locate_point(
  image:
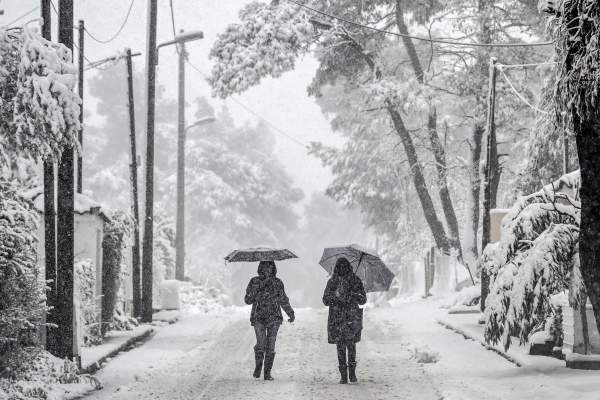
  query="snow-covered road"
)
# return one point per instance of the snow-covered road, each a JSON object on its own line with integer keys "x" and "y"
{"x": 221, "y": 365}
{"x": 210, "y": 356}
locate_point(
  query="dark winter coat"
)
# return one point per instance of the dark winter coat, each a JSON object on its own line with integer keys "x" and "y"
{"x": 267, "y": 295}
{"x": 343, "y": 294}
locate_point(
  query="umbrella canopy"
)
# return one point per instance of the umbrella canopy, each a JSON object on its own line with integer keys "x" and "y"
{"x": 259, "y": 254}
{"x": 366, "y": 264}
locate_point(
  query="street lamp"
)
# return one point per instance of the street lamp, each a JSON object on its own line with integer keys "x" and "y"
{"x": 180, "y": 223}
{"x": 180, "y": 41}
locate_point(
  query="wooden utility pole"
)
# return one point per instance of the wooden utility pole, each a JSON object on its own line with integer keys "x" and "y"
{"x": 49, "y": 217}
{"x": 80, "y": 88}
{"x": 149, "y": 201}
{"x": 180, "y": 219}
{"x": 489, "y": 171}
{"x": 137, "y": 298}
{"x": 65, "y": 222}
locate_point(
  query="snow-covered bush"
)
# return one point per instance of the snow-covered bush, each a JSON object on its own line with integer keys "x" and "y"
{"x": 114, "y": 270}
{"x": 88, "y": 303}
{"x": 21, "y": 291}
{"x": 39, "y": 108}
{"x": 46, "y": 379}
{"x": 163, "y": 254}
{"x": 536, "y": 258}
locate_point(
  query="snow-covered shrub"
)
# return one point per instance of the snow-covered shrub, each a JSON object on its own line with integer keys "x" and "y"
{"x": 21, "y": 290}
{"x": 39, "y": 107}
{"x": 44, "y": 379}
{"x": 88, "y": 303}
{"x": 163, "y": 254}
{"x": 114, "y": 270}
{"x": 536, "y": 258}
{"x": 468, "y": 296}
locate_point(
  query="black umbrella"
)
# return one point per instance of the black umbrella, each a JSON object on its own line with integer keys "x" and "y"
{"x": 366, "y": 264}
{"x": 259, "y": 254}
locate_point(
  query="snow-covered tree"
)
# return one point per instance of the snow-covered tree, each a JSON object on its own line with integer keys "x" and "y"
{"x": 574, "y": 27}
{"x": 537, "y": 257}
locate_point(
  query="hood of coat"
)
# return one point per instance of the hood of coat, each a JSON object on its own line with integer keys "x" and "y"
{"x": 342, "y": 267}
{"x": 267, "y": 269}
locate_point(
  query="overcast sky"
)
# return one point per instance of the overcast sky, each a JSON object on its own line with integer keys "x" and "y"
{"x": 283, "y": 102}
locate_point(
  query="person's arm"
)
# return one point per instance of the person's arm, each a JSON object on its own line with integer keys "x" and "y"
{"x": 284, "y": 302}
{"x": 252, "y": 291}
{"x": 329, "y": 298}
{"x": 360, "y": 295}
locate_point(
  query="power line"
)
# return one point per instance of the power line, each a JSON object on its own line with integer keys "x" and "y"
{"x": 499, "y": 67}
{"x": 23, "y": 16}
{"x": 118, "y": 32}
{"x": 444, "y": 41}
{"x": 172, "y": 17}
{"x": 252, "y": 112}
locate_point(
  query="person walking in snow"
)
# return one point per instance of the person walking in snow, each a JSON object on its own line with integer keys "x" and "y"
{"x": 267, "y": 295}
{"x": 343, "y": 294}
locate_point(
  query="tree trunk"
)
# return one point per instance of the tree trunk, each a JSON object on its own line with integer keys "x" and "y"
{"x": 436, "y": 146}
{"x": 587, "y": 133}
{"x": 475, "y": 141}
{"x": 436, "y": 226}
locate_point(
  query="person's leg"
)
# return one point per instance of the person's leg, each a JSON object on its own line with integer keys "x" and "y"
{"x": 341, "y": 353}
{"x": 270, "y": 349}
{"x": 352, "y": 362}
{"x": 260, "y": 347}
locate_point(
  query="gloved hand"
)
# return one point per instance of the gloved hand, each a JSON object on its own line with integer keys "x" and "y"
{"x": 292, "y": 319}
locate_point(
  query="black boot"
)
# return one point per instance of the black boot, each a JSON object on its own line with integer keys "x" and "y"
{"x": 269, "y": 358}
{"x": 352, "y": 371}
{"x": 258, "y": 358}
{"x": 343, "y": 373}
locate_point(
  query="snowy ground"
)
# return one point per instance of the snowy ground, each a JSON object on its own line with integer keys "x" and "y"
{"x": 210, "y": 356}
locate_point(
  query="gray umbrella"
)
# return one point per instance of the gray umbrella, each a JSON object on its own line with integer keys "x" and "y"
{"x": 259, "y": 254}
{"x": 366, "y": 264}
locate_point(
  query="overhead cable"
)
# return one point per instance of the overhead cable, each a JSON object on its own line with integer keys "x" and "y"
{"x": 499, "y": 67}
{"x": 23, "y": 16}
{"x": 444, "y": 41}
{"x": 252, "y": 112}
{"x": 118, "y": 32}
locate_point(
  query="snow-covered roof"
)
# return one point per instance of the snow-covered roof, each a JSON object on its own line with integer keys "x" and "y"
{"x": 83, "y": 204}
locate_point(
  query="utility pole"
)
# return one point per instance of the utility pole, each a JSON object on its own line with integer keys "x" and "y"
{"x": 149, "y": 201}
{"x": 80, "y": 88}
{"x": 180, "y": 41}
{"x": 488, "y": 202}
{"x": 137, "y": 298}
{"x": 180, "y": 223}
{"x": 49, "y": 217}
{"x": 65, "y": 221}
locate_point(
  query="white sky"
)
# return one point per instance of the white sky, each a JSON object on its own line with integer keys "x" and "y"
{"x": 283, "y": 102}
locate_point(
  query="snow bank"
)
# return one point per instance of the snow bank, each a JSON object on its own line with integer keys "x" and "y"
{"x": 201, "y": 299}
{"x": 424, "y": 354}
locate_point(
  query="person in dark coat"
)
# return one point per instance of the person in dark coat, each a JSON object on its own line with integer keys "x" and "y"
{"x": 267, "y": 295}
{"x": 343, "y": 294}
